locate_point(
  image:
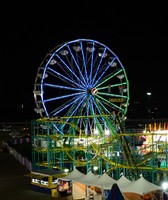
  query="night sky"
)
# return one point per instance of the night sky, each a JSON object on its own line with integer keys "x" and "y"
{"x": 138, "y": 35}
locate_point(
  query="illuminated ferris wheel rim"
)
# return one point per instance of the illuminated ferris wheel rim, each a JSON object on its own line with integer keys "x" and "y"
{"x": 78, "y": 79}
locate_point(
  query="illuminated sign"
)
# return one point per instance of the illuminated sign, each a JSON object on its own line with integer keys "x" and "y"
{"x": 121, "y": 100}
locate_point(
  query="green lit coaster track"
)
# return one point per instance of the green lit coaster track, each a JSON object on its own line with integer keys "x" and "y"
{"x": 81, "y": 93}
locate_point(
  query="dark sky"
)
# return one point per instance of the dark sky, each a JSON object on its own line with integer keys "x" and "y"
{"x": 137, "y": 35}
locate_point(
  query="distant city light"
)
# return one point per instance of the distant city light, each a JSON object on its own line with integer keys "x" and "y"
{"x": 149, "y": 93}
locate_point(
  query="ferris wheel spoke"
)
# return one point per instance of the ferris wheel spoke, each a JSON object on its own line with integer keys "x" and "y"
{"x": 63, "y": 77}
{"x": 66, "y": 78}
{"x": 111, "y": 86}
{"x": 70, "y": 70}
{"x": 63, "y": 87}
{"x": 91, "y": 50}
{"x": 106, "y": 79}
{"x": 112, "y": 95}
{"x": 103, "y": 109}
{"x": 98, "y": 68}
{"x": 105, "y": 65}
{"x": 108, "y": 120}
{"x": 112, "y": 105}
{"x": 61, "y": 97}
{"x": 97, "y": 123}
{"x": 84, "y": 63}
{"x": 77, "y": 65}
{"x": 63, "y": 108}
{"x": 76, "y": 104}
{"x": 76, "y": 107}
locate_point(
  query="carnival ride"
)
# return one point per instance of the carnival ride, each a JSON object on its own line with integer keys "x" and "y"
{"x": 81, "y": 93}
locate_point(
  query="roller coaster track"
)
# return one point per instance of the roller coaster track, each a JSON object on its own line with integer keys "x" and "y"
{"x": 121, "y": 138}
{"x": 131, "y": 165}
{"x": 127, "y": 151}
{"x": 98, "y": 153}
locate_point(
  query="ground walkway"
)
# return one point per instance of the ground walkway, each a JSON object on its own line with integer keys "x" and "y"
{"x": 14, "y": 184}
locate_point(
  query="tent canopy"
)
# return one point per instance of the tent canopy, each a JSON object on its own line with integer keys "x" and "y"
{"x": 88, "y": 179}
{"x": 140, "y": 186}
{"x": 105, "y": 181}
{"x": 75, "y": 174}
{"x": 123, "y": 181}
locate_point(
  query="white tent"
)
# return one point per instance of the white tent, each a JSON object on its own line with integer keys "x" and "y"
{"x": 78, "y": 189}
{"x": 140, "y": 186}
{"x": 105, "y": 181}
{"x": 80, "y": 185}
{"x": 75, "y": 174}
{"x": 123, "y": 181}
{"x": 87, "y": 179}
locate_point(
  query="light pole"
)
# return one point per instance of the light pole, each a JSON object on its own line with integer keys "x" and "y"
{"x": 149, "y": 105}
{"x": 165, "y": 187}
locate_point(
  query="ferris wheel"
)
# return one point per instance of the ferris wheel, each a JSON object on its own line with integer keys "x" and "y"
{"x": 83, "y": 82}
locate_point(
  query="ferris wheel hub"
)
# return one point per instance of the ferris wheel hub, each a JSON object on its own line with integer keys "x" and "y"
{"x": 94, "y": 91}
